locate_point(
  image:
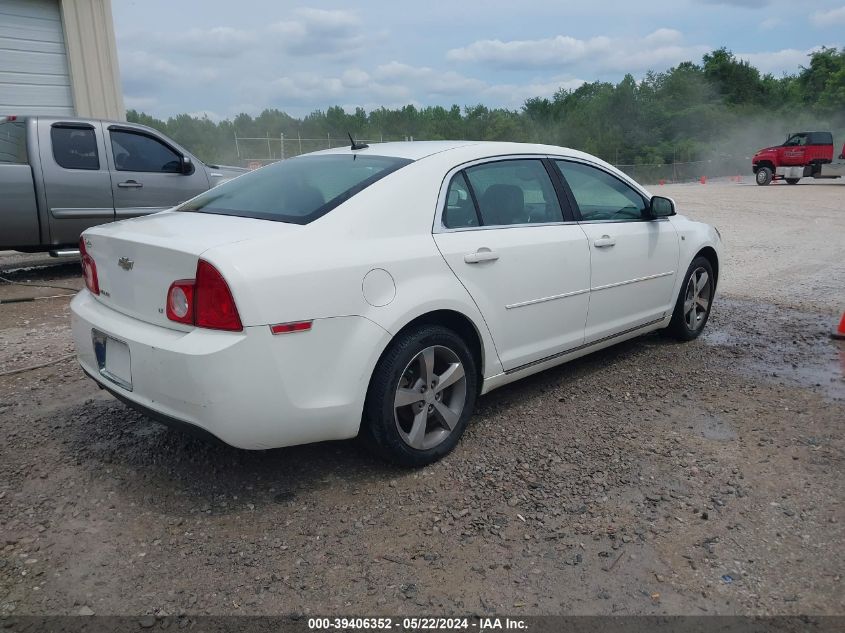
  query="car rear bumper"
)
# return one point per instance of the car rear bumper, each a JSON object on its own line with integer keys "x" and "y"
{"x": 250, "y": 389}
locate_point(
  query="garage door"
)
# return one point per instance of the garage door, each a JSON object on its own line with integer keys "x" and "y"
{"x": 34, "y": 76}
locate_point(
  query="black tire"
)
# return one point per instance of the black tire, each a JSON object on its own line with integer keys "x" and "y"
{"x": 388, "y": 429}
{"x": 682, "y": 326}
{"x": 763, "y": 176}
{"x": 792, "y": 181}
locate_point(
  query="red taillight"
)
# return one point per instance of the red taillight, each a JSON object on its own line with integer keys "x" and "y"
{"x": 89, "y": 269}
{"x": 287, "y": 328}
{"x": 180, "y": 301}
{"x": 214, "y": 305}
{"x": 205, "y": 301}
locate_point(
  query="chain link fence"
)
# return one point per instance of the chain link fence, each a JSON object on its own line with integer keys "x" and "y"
{"x": 727, "y": 167}
{"x": 253, "y": 152}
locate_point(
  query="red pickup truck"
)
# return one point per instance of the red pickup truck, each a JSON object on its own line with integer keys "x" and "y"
{"x": 805, "y": 154}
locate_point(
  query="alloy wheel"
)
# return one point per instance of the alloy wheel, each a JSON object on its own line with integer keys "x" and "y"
{"x": 430, "y": 397}
{"x": 697, "y": 299}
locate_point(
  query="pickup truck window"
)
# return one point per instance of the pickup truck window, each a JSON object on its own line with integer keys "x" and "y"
{"x": 138, "y": 152}
{"x": 13, "y": 142}
{"x": 75, "y": 147}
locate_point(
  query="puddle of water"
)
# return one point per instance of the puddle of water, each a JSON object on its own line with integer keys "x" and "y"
{"x": 791, "y": 347}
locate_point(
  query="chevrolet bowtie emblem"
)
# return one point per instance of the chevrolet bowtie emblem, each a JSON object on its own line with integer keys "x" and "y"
{"x": 125, "y": 263}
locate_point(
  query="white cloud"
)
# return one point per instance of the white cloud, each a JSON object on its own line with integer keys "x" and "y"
{"x": 658, "y": 50}
{"x": 428, "y": 80}
{"x": 770, "y": 23}
{"x": 140, "y": 103}
{"x": 514, "y": 95}
{"x": 321, "y": 32}
{"x": 745, "y": 4}
{"x": 787, "y": 60}
{"x": 556, "y": 51}
{"x": 833, "y": 17}
{"x": 143, "y": 64}
{"x": 395, "y": 84}
{"x": 219, "y": 41}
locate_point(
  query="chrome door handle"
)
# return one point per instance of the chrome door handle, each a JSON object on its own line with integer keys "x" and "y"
{"x": 481, "y": 255}
{"x": 130, "y": 184}
{"x": 604, "y": 241}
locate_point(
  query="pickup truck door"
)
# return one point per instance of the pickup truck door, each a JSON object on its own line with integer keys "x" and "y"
{"x": 147, "y": 173}
{"x": 794, "y": 151}
{"x": 77, "y": 185}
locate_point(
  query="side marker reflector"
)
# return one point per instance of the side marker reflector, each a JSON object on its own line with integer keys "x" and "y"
{"x": 287, "y": 328}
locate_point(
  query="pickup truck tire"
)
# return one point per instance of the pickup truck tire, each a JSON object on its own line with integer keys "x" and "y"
{"x": 792, "y": 181}
{"x": 764, "y": 176}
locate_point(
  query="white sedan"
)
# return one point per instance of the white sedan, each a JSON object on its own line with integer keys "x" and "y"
{"x": 380, "y": 290}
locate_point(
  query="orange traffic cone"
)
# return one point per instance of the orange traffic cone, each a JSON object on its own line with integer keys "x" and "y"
{"x": 840, "y": 331}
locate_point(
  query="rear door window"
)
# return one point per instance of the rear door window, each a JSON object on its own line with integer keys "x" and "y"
{"x": 297, "y": 190}
{"x": 514, "y": 192}
{"x": 75, "y": 147}
{"x": 13, "y": 142}
{"x": 459, "y": 212}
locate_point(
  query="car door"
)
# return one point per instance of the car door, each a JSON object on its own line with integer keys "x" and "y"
{"x": 77, "y": 185}
{"x": 633, "y": 259}
{"x": 503, "y": 232}
{"x": 147, "y": 174}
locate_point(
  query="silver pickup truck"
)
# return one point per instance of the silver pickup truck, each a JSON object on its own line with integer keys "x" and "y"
{"x": 59, "y": 176}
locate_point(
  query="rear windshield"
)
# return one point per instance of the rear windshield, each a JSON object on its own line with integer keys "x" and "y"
{"x": 819, "y": 138}
{"x": 13, "y": 142}
{"x": 297, "y": 190}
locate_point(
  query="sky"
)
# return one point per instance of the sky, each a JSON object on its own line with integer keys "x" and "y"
{"x": 223, "y": 57}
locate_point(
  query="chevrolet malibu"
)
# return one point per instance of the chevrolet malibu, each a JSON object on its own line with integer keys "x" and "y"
{"x": 380, "y": 290}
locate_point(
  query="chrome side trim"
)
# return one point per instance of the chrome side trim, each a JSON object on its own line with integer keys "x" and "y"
{"x": 532, "y": 302}
{"x": 633, "y": 281}
{"x": 580, "y": 347}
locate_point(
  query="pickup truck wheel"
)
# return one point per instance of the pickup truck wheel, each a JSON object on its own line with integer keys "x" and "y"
{"x": 764, "y": 176}
{"x": 792, "y": 181}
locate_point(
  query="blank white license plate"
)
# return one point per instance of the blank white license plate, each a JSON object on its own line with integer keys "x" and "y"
{"x": 113, "y": 358}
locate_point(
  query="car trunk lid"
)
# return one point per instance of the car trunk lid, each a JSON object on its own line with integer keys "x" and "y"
{"x": 137, "y": 260}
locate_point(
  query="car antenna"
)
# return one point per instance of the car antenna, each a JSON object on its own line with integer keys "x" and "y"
{"x": 356, "y": 145}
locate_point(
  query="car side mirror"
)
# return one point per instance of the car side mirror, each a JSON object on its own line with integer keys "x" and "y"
{"x": 187, "y": 166}
{"x": 661, "y": 207}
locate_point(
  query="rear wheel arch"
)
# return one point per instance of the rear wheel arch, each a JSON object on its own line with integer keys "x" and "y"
{"x": 459, "y": 323}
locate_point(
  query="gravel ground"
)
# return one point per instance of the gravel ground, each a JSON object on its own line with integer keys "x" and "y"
{"x": 650, "y": 478}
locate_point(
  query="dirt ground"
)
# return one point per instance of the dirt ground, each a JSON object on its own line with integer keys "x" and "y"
{"x": 650, "y": 478}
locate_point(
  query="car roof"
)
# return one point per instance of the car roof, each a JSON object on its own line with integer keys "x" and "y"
{"x": 416, "y": 150}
